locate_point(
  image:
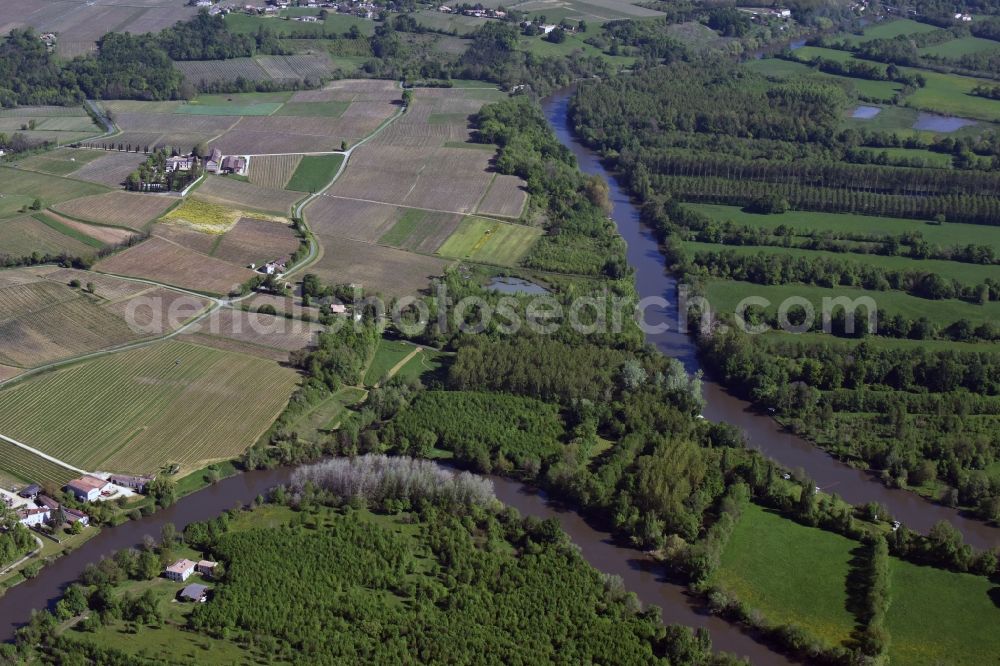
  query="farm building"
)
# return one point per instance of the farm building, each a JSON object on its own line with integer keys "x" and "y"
{"x": 89, "y": 488}
{"x": 30, "y": 492}
{"x": 194, "y": 592}
{"x": 180, "y": 163}
{"x": 47, "y": 502}
{"x": 180, "y": 570}
{"x": 136, "y": 483}
{"x": 206, "y": 567}
{"x": 33, "y": 517}
{"x": 214, "y": 161}
{"x": 234, "y": 164}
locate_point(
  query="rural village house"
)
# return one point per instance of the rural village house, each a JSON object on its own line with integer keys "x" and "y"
{"x": 33, "y": 517}
{"x": 136, "y": 483}
{"x": 180, "y": 570}
{"x": 206, "y": 567}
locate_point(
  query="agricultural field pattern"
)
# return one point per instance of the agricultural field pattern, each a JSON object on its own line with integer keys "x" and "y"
{"x": 391, "y": 196}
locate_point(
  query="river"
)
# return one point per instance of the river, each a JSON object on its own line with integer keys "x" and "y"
{"x": 764, "y": 433}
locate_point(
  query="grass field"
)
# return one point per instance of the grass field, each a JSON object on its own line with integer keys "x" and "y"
{"x": 425, "y": 361}
{"x": 724, "y": 296}
{"x": 930, "y": 158}
{"x": 938, "y": 617}
{"x": 332, "y": 109}
{"x": 890, "y": 30}
{"x": 490, "y": 241}
{"x": 24, "y": 235}
{"x": 187, "y": 404}
{"x": 945, "y": 235}
{"x": 949, "y": 94}
{"x": 50, "y": 189}
{"x": 314, "y": 172}
{"x": 387, "y": 356}
{"x": 335, "y": 23}
{"x": 786, "y": 69}
{"x": 791, "y": 573}
{"x": 966, "y": 273}
{"x": 956, "y": 48}
{"x": 573, "y": 43}
{"x": 328, "y": 414}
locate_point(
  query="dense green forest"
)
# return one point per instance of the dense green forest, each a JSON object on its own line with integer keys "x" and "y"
{"x": 924, "y": 417}
{"x": 412, "y": 575}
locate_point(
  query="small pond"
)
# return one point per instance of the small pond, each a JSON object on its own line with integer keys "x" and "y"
{"x": 513, "y": 285}
{"x": 865, "y": 112}
{"x": 936, "y": 123}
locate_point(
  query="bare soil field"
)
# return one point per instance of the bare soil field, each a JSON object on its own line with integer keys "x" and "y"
{"x": 347, "y": 218}
{"x": 122, "y": 209}
{"x": 254, "y": 241}
{"x": 506, "y": 197}
{"x": 231, "y": 345}
{"x": 272, "y": 171}
{"x": 106, "y": 235}
{"x": 9, "y": 372}
{"x": 236, "y": 193}
{"x": 189, "y": 238}
{"x": 282, "y": 305}
{"x": 350, "y": 90}
{"x": 24, "y": 235}
{"x": 159, "y": 259}
{"x": 110, "y": 169}
{"x": 378, "y": 269}
{"x": 164, "y": 123}
{"x": 259, "y": 329}
{"x": 105, "y": 286}
{"x": 158, "y": 311}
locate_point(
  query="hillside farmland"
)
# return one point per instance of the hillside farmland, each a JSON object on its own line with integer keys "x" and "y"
{"x": 188, "y": 404}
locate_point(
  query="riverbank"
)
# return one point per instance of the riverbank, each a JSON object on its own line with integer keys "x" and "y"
{"x": 763, "y": 433}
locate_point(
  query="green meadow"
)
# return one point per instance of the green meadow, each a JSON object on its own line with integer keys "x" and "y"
{"x": 945, "y": 235}
{"x": 790, "y": 573}
{"x": 939, "y": 617}
{"x": 725, "y": 295}
{"x": 314, "y": 172}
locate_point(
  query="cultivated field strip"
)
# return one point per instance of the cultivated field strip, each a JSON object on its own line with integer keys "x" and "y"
{"x": 272, "y": 171}
{"x": 20, "y": 299}
{"x": 214, "y": 71}
{"x": 260, "y": 329}
{"x": 505, "y": 198}
{"x": 186, "y": 404}
{"x": 175, "y": 232}
{"x": 111, "y": 169}
{"x": 28, "y": 467}
{"x": 239, "y": 194}
{"x": 378, "y": 269}
{"x": 23, "y": 236}
{"x": 121, "y": 209}
{"x": 254, "y": 241}
{"x": 163, "y": 261}
{"x": 358, "y": 220}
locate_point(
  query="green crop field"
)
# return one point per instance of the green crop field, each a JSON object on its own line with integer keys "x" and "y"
{"x": 777, "y": 68}
{"x": 791, "y": 573}
{"x": 26, "y": 467}
{"x": 60, "y": 162}
{"x": 388, "y": 354}
{"x": 187, "y": 404}
{"x": 956, "y": 48}
{"x": 235, "y": 109}
{"x": 966, "y": 273}
{"x": 335, "y": 23}
{"x": 50, "y": 189}
{"x": 807, "y": 53}
{"x": 949, "y": 94}
{"x": 939, "y": 617}
{"x": 890, "y": 30}
{"x": 724, "y": 295}
{"x": 945, "y": 235}
{"x": 490, "y": 241}
{"x": 314, "y": 172}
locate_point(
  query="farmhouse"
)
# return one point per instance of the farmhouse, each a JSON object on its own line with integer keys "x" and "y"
{"x": 180, "y": 163}
{"x": 214, "y": 161}
{"x": 33, "y": 517}
{"x": 194, "y": 592}
{"x": 180, "y": 570}
{"x": 136, "y": 483}
{"x": 74, "y": 516}
{"x": 234, "y": 164}
{"x": 274, "y": 268}
{"x": 47, "y": 502}
{"x": 206, "y": 567}
{"x": 89, "y": 488}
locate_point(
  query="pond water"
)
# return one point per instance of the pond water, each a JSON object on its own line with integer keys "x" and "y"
{"x": 865, "y": 112}
{"x": 513, "y": 285}
{"x": 934, "y": 122}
